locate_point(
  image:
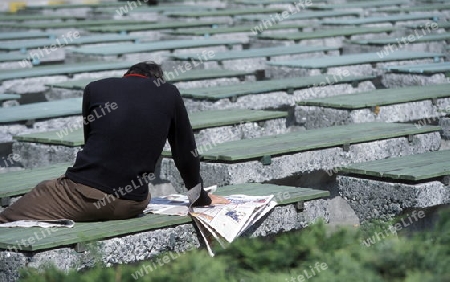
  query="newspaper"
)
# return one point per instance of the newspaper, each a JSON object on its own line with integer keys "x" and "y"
{"x": 217, "y": 223}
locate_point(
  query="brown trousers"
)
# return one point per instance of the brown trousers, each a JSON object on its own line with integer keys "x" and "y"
{"x": 62, "y": 198}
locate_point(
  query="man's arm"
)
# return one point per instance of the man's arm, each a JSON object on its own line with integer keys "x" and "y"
{"x": 182, "y": 143}
{"x": 85, "y": 112}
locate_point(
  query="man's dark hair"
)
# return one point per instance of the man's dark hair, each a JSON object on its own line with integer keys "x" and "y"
{"x": 147, "y": 68}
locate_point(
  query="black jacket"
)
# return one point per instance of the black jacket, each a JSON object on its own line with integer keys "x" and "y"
{"x": 126, "y": 124}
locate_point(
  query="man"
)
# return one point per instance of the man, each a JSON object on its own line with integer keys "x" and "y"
{"x": 126, "y": 122}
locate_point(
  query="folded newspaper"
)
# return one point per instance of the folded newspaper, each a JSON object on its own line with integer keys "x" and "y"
{"x": 217, "y": 223}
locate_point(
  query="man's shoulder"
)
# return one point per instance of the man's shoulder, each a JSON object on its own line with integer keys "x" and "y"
{"x": 104, "y": 80}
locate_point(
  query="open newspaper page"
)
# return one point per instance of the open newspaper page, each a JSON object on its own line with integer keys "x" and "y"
{"x": 222, "y": 222}
{"x": 232, "y": 219}
{"x": 169, "y": 205}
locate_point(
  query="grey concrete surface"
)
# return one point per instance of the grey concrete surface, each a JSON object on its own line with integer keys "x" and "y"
{"x": 317, "y": 116}
{"x": 376, "y": 199}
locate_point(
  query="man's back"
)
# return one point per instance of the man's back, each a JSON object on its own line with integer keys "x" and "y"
{"x": 126, "y": 122}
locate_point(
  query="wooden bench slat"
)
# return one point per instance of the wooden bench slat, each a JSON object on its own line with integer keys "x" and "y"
{"x": 25, "y": 35}
{"x": 232, "y": 29}
{"x": 8, "y": 18}
{"x": 74, "y": 6}
{"x": 129, "y": 48}
{"x": 355, "y": 59}
{"x": 421, "y": 39}
{"x": 381, "y": 97}
{"x": 20, "y": 182}
{"x": 414, "y": 167}
{"x": 66, "y": 107}
{"x": 258, "y": 87}
{"x": 75, "y": 24}
{"x": 360, "y": 4}
{"x": 85, "y": 39}
{"x": 305, "y": 15}
{"x": 6, "y": 97}
{"x": 260, "y": 52}
{"x": 149, "y": 27}
{"x": 378, "y": 19}
{"x": 161, "y": 8}
{"x": 421, "y": 68}
{"x": 418, "y": 8}
{"x": 442, "y": 24}
{"x": 324, "y": 33}
{"x": 225, "y": 12}
{"x": 85, "y": 232}
{"x": 309, "y": 140}
{"x": 67, "y": 69}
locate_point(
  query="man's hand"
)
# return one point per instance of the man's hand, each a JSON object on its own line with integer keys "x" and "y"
{"x": 217, "y": 199}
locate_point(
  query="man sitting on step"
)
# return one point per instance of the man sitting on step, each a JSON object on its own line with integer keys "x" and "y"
{"x": 126, "y": 123}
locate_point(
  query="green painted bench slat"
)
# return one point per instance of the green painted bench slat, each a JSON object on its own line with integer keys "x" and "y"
{"x": 75, "y": 24}
{"x": 20, "y": 182}
{"x": 261, "y": 52}
{"x": 67, "y": 69}
{"x": 148, "y": 27}
{"x": 379, "y": 19}
{"x": 294, "y": 142}
{"x": 382, "y": 97}
{"x": 25, "y": 35}
{"x": 360, "y": 4}
{"x": 7, "y": 18}
{"x": 258, "y": 87}
{"x": 414, "y": 167}
{"x": 305, "y": 15}
{"x": 225, "y": 12}
{"x": 12, "y": 57}
{"x": 86, "y": 232}
{"x": 191, "y": 75}
{"x": 6, "y": 97}
{"x": 207, "y": 119}
{"x": 128, "y": 48}
{"x": 75, "y": 6}
{"x": 42, "y": 110}
{"x": 199, "y": 120}
{"x": 268, "y": 2}
{"x": 418, "y": 8}
{"x": 161, "y": 8}
{"x": 349, "y": 31}
{"x": 422, "y": 68}
{"x": 419, "y": 38}
{"x": 85, "y": 39}
{"x": 233, "y": 29}
{"x": 64, "y": 137}
{"x": 355, "y": 59}
{"x": 426, "y": 25}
